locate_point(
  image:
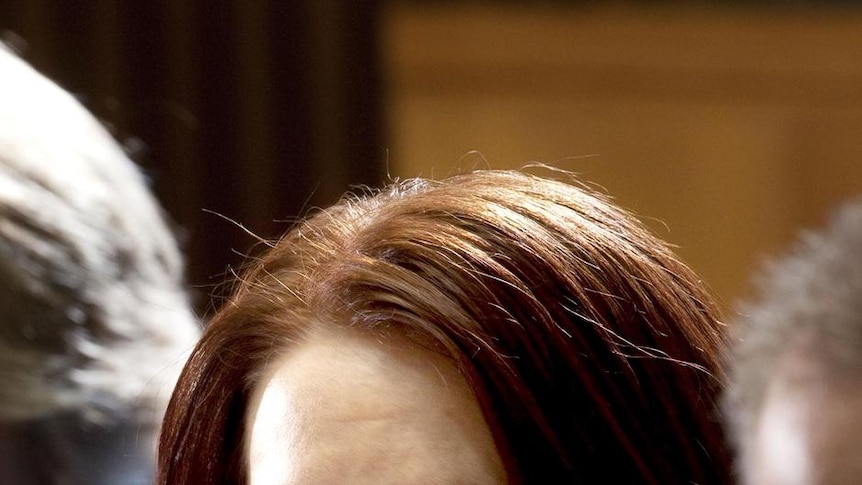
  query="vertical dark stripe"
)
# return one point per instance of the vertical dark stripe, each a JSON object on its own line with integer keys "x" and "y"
{"x": 291, "y": 101}
{"x": 216, "y": 82}
{"x": 106, "y": 64}
{"x": 183, "y": 190}
{"x": 327, "y": 88}
{"x": 345, "y": 87}
{"x": 255, "y": 136}
{"x": 364, "y": 96}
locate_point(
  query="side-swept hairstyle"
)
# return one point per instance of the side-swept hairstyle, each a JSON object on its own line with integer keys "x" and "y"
{"x": 592, "y": 350}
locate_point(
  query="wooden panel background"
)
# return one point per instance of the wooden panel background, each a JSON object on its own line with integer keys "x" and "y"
{"x": 727, "y": 129}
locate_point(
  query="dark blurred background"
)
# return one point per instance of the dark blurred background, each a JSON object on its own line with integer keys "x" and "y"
{"x": 728, "y": 126}
{"x": 255, "y": 110}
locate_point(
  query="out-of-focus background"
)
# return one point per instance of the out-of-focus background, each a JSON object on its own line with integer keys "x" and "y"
{"x": 727, "y": 127}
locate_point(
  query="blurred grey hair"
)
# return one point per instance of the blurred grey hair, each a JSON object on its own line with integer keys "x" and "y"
{"x": 94, "y": 317}
{"x": 810, "y": 307}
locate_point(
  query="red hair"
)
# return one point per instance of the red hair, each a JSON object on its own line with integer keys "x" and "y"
{"x": 592, "y": 350}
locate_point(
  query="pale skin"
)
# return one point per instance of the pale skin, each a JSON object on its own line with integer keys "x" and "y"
{"x": 345, "y": 406}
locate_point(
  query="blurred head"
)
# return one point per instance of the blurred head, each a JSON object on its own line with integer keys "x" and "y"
{"x": 493, "y": 327}
{"x": 795, "y": 399}
{"x": 94, "y": 314}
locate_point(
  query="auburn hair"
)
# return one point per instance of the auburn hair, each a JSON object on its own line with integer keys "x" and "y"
{"x": 593, "y": 352}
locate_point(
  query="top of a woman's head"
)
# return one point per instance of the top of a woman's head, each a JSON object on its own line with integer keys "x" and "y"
{"x": 591, "y": 350}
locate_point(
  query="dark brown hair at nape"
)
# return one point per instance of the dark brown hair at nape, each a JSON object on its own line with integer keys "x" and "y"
{"x": 591, "y": 348}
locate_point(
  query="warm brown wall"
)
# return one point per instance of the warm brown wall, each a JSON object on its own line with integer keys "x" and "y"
{"x": 729, "y": 128}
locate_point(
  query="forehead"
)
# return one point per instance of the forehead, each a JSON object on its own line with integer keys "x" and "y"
{"x": 358, "y": 408}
